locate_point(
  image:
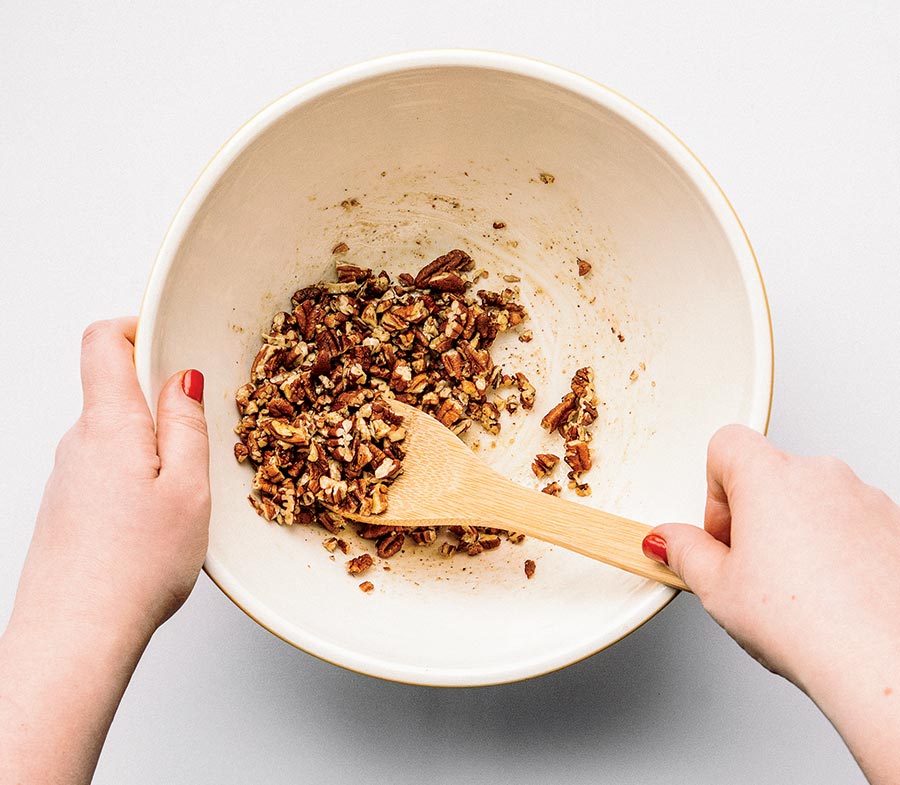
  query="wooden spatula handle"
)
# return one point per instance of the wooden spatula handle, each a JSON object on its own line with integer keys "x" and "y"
{"x": 608, "y": 538}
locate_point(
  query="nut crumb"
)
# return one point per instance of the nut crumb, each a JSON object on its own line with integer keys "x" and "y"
{"x": 552, "y": 489}
{"x": 530, "y": 567}
{"x": 366, "y": 586}
{"x": 584, "y": 267}
{"x": 340, "y": 248}
{"x": 547, "y": 178}
{"x": 349, "y": 204}
{"x": 633, "y": 376}
{"x": 509, "y": 278}
{"x": 526, "y": 336}
{"x": 499, "y": 225}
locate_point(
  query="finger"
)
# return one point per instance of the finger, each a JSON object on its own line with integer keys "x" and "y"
{"x": 730, "y": 449}
{"x": 108, "y": 379}
{"x": 181, "y": 435}
{"x": 690, "y": 552}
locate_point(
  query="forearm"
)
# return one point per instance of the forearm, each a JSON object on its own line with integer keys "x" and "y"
{"x": 61, "y": 680}
{"x": 861, "y": 697}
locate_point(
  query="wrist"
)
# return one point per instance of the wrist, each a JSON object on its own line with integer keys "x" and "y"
{"x": 69, "y": 620}
{"x": 857, "y": 687}
{"x": 62, "y": 675}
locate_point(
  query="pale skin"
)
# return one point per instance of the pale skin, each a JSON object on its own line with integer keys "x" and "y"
{"x": 799, "y": 561}
{"x": 117, "y": 546}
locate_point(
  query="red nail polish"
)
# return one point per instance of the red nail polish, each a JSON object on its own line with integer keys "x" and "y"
{"x": 654, "y": 547}
{"x": 192, "y": 384}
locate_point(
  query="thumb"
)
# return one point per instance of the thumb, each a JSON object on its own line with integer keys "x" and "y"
{"x": 690, "y": 552}
{"x": 181, "y": 436}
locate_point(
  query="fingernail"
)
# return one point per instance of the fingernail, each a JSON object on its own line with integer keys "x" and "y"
{"x": 192, "y": 384}
{"x": 654, "y": 547}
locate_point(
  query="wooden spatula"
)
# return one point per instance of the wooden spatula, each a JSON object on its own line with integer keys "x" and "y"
{"x": 445, "y": 483}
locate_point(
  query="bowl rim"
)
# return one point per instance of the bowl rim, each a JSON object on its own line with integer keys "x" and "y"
{"x": 519, "y": 65}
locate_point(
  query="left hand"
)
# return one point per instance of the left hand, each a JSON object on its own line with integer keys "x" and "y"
{"x": 123, "y": 526}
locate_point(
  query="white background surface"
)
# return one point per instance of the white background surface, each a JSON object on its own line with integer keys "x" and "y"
{"x": 108, "y": 113}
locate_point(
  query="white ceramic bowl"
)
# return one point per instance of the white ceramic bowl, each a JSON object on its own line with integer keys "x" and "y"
{"x": 435, "y": 147}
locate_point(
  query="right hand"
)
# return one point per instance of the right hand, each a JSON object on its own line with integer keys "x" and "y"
{"x": 799, "y": 560}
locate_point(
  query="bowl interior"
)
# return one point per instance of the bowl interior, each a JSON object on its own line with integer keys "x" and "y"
{"x": 403, "y": 164}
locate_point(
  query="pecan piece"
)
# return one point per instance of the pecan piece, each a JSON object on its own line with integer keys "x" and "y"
{"x": 543, "y": 464}
{"x": 578, "y": 456}
{"x": 279, "y": 407}
{"x": 423, "y": 536}
{"x": 558, "y": 414}
{"x": 360, "y": 564}
{"x": 373, "y": 531}
{"x": 447, "y": 282}
{"x": 390, "y": 544}
{"x": 452, "y": 261}
{"x": 285, "y": 432}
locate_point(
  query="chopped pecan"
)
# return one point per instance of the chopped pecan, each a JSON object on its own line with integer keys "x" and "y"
{"x": 423, "y": 536}
{"x": 390, "y": 544}
{"x": 286, "y": 432}
{"x": 553, "y": 489}
{"x": 448, "y": 281}
{"x": 452, "y": 261}
{"x": 543, "y": 464}
{"x": 530, "y": 567}
{"x": 581, "y": 489}
{"x": 330, "y": 544}
{"x": 578, "y": 456}
{"x": 373, "y": 531}
{"x": 489, "y": 541}
{"x": 558, "y": 414}
{"x": 314, "y": 424}
{"x": 360, "y": 564}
